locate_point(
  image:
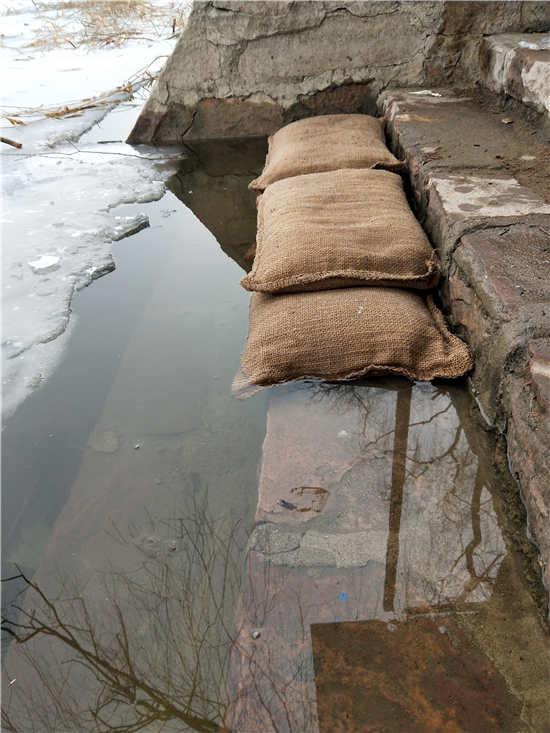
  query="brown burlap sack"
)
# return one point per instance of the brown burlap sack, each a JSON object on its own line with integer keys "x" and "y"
{"x": 340, "y": 334}
{"x": 339, "y": 229}
{"x": 326, "y": 143}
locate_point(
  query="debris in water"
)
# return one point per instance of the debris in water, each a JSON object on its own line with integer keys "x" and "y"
{"x": 13, "y": 143}
{"x": 137, "y": 446}
{"x": 427, "y": 93}
{"x": 128, "y": 225}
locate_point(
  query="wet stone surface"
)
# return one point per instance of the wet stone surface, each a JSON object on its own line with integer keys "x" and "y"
{"x": 365, "y": 569}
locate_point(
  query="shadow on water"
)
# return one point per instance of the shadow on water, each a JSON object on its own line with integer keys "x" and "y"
{"x": 365, "y": 569}
{"x": 213, "y": 182}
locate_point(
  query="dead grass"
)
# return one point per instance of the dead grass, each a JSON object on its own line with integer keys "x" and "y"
{"x": 99, "y": 23}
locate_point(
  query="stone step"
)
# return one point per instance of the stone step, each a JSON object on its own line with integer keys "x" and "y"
{"x": 518, "y": 65}
{"x": 481, "y": 182}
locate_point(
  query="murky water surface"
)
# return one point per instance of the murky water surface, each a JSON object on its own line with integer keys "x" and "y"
{"x": 314, "y": 558}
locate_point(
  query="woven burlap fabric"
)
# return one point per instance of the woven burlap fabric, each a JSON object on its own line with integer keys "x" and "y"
{"x": 326, "y": 143}
{"x": 339, "y": 229}
{"x": 340, "y": 334}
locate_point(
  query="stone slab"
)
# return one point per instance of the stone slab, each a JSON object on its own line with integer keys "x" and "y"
{"x": 518, "y": 64}
{"x": 460, "y": 202}
{"x": 443, "y": 128}
{"x": 425, "y": 674}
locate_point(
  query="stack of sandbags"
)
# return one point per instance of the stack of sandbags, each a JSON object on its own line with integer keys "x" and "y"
{"x": 339, "y": 256}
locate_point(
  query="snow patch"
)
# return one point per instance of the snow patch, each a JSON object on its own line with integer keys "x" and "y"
{"x": 45, "y": 263}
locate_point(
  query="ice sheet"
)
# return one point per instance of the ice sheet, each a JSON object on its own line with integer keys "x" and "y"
{"x": 58, "y": 226}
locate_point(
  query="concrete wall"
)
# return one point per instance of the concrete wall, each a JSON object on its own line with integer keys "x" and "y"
{"x": 246, "y": 68}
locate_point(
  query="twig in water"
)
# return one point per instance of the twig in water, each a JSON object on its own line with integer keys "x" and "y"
{"x": 13, "y": 143}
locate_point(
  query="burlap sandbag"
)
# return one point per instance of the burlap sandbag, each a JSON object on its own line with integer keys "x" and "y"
{"x": 326, "y": 143}
{"x": 340, "y": 334}
{"x": 339, "y": 229}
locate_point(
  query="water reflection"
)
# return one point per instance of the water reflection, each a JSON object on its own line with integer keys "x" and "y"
{"x": 379, "y": 527}
{"x": 140, "y": 649}
{"x": 401, "y": 435}
{"x": 380, "y": 519}
{"x": 409, "y": 546}
{"x": 136, "y": 423}
{"x": 213, "y": 183}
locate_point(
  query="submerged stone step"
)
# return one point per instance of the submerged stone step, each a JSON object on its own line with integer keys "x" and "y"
{"x": 408, "y": 542}
{"x": 518, "y": 64}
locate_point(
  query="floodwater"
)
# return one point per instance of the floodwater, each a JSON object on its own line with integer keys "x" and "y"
{"x": 313, "y": 559}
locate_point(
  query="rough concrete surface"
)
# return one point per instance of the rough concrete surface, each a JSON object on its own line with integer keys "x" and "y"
{"x": 480, "y": 179}
{"x": 245, "y": 68}
{"x": 519, "y": 65}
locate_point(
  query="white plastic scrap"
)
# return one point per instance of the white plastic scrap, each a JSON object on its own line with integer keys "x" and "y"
{"x": 427, "y": 93}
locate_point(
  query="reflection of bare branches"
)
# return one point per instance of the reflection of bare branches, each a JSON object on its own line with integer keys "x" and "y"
{"x": 455, "y": 505}
{"x": 149, "y": 646}
{"x": 273, "y": 675}
{"x": 402, "y": 420}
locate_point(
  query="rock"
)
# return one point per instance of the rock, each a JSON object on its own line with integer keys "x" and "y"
{"x": 245, "y": 68}
{"x": 518, "y": 65}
